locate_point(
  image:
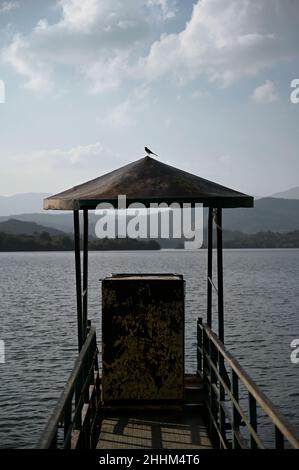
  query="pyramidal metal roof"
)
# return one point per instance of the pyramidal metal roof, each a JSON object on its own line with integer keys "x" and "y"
{"x": 147, "y": 180}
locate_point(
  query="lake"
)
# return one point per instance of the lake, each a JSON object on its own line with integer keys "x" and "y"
{"x": 38, "y": 324}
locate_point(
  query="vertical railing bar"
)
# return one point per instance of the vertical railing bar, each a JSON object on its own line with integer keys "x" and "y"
{"x": 221, "y": 396}
{"x": 85, "y": 271}
{"x": 214, "y": 405}
{"x": 210, "y": 267}
{"x": 210, "y": 388}
{"x": 54, "y": 442}
{"x": 67, "y": 416}
{"x": 253, "y": 419}
{"x": 236, "y": 416}
{"x": 279, "y": 439}
{"x": 204, "y": 360}
{"x": 220, "y": 275}
{"x": 78, "y": 277}
{"x": 78, "y": 401}
{"x": 199, "y": 346}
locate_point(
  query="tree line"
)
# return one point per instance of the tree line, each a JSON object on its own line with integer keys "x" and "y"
{"x": 45, "y": 242}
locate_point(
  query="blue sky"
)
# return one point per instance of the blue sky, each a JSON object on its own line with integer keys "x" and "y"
{"x": 206, "y": 84}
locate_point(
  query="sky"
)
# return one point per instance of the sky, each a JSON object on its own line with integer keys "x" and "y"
{"x": 206, "y": 84}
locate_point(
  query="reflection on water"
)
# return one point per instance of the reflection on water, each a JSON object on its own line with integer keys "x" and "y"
{"x": 38, "y": 323}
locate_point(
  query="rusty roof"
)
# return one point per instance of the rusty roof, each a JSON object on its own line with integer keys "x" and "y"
{"x": 146, "y": 181}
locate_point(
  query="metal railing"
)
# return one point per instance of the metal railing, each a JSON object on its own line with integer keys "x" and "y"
{"x": 75, "y": 422}
{"x": 226, "y": 414}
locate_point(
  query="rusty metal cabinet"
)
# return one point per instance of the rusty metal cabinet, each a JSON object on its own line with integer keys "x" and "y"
{"x": 143, "y": 337}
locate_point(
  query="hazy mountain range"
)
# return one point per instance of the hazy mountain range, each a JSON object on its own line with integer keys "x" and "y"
{"x": 292, "y": 193}
{"x": 273, "y": 214}
{"x": 19, "y": 227}
{"x": 22, "y": 203}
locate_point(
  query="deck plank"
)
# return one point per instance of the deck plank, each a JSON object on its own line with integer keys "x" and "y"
{"x": 154, "y": 431}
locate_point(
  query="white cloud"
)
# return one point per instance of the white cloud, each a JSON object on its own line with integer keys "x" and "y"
{"x": 8, "y": 6}
{"x": 81, "y": 15}
{"x": 99, "y": 39}
{"x": 126, "y": 113}
{"x": 168, "y": 7}
{"x": 265, "y": 93}
{"x": 19, "y": 56}
{"x": 227, "y": 41}
{"x": 200, "y": 94}
{"x": 82, "y": 155}
{"x": 225, "y": 159}
{"x": 106, "y": 74}
{"x": 58, "y": 168}
{"x": 112, "y": 43}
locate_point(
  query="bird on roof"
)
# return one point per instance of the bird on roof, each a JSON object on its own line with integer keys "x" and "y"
{"x": 149, "y": 152}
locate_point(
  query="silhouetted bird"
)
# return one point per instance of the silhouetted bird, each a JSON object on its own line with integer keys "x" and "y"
{"x": 149, "y": 152}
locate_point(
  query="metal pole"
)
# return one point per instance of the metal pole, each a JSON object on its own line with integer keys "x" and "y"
{"x": 220, "y": 275}
{"x": 210, "y": 267}
{"x": 78, "y": 276}
{"x": 85, "y": 270}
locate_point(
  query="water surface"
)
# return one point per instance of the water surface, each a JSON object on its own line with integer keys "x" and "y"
{"x": 38, "y": 323}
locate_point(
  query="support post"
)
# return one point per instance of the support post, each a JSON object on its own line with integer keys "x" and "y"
{"x": 85, "y": 272}
{"x": 78, "y": 276}
{"x": 220, "y": 275}
{"x": 210, "y": 267}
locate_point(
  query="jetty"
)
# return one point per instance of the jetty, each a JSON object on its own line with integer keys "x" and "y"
{"x": 136, "y": 394}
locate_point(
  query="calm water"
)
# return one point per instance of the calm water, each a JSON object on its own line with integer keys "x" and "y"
{"x": 38, "y": 324}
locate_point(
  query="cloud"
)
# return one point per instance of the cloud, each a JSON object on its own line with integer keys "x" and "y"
{"x": 98, "y": 39}
{"x": 7, "y": 7}
{"x": 126, "y": 113}
{"x": 106, "y": 74}
{"x": 227, "y": 41}
{"x": 225, "y": 159}
{"x": 111, "y": 44}
{"x": 80, "y": 156}
{"x": 59, "y": 168}
{"x": 168, "y": 7}
{"x": 55, "y": 169}
{"x": 265, "y": 93}
{"x": 200, "y": 94}
{"x": 20, "y": 57}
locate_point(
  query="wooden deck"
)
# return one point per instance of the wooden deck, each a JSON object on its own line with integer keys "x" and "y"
{"x": 164, "y": 428}
{"x": 150, "y": 431}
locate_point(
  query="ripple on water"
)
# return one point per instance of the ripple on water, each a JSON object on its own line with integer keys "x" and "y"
{"x": 38, "y": 324}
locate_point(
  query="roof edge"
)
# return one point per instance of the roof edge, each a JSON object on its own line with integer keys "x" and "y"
{"x": 91, "y": 204}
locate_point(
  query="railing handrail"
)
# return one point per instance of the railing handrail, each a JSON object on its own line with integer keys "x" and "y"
{"x": 51, "y": 428}
{"x": 264, "y": 402}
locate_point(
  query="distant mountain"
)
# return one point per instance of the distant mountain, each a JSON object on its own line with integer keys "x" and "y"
{"x": 58, "y": 221}
{"x": 18, "y": 227}
{"x": 63, "y": 222}
{"x": 292, "y": 193}
{"x": 277, "y": 215}
{"x": 22, "y": 203}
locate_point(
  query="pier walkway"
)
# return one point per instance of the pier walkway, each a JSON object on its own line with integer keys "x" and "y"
{"x": 159, "y": 428}
{"x": 167, "y": 430}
